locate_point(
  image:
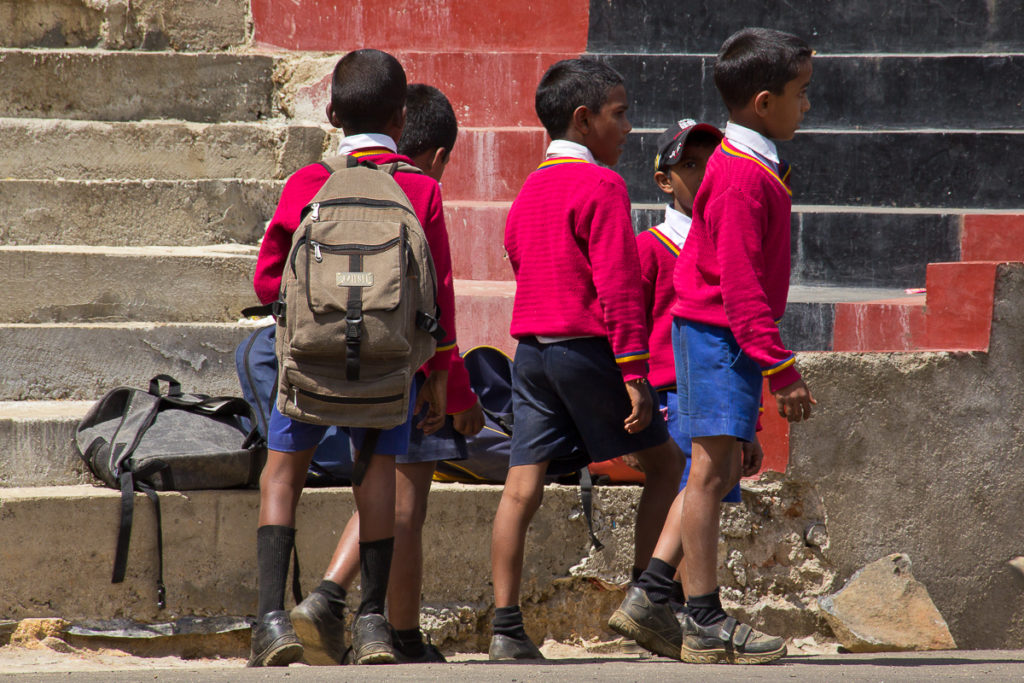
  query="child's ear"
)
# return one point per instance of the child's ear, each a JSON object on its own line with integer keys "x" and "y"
{"x": 332, "y": 117}
{"x": 762, "y": 101}
{"x": 440, "y": 158}
{"x": 581, "y": 120}
{"x": 662, "y": 180}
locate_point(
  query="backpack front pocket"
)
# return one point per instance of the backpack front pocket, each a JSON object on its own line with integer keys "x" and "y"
{"x": 368, "y": 274}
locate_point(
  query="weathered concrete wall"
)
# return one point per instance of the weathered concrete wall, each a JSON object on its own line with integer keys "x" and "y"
{"x": 923, "y": 454}
{"x": 58, "y": 546}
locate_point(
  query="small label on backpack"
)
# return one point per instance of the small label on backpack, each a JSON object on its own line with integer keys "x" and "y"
{"x": 355, "y": 279}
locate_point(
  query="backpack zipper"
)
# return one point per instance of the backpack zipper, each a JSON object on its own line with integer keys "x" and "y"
{"x": 345, "y": 249}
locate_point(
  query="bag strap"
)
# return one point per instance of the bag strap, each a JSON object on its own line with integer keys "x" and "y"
{"x": 587, "y": 501}
{"x": 128, "y": 487}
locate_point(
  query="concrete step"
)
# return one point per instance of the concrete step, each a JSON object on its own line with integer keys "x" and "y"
{"x": 908, "y": 169}
{"x": 993, "y": 237}
{"x": 811, "y": 310}
{"x": 136, "y": 212}
{"x": 890, "y": 91}
{"x": 865, "y": 26}
{"x": 147, "y": 24}
{"x": 324, "y": 25}
{"x": 860, "y": 247}
{"x": 954, "y": 314}
{"x": 59, "y": 545}
{"x": 129, "y": 86}
{"x": 117, "y": 284}
{"x": 91, "y": 150}
{"x": 37, "y": 442}
{"x": 82, "y": 361}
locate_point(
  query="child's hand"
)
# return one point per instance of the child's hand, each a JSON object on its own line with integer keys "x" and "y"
{"x": 469, "y": 422}
{"x": 794, "y": 402}
{"x": 640, "y": 399}
{"x": 433, "y": 393}
{"x": 753, "y": 456}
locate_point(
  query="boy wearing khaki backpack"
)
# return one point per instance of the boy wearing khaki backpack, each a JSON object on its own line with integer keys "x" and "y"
{"x": 368, "y": 93}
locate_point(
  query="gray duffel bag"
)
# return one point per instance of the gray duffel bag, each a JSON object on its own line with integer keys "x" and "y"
{"x": 149, "y": 441}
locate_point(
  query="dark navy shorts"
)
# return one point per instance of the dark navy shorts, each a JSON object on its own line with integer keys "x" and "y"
{"x": 569, "y": 404}
{"x": 718, "y": 386}
{"x": 668, "y": 400}
{"x": 289, "y": 435}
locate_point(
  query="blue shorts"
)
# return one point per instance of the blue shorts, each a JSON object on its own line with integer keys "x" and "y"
{"x": 569, "y": 404}
{"x": 718, "y": 385}
{"x": 668, "y": 400}
{"x": 289, "y": 435}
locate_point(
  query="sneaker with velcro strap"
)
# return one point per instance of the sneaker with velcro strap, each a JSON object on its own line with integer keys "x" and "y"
{"x": 728, "y": 642}
{"x": 651, "y": 624}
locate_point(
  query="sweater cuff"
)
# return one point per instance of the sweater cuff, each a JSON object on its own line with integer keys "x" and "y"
{"x": 442, "y": 359}
{"x": 783, "y": 378}
{"x": 633, "y": 369}
{"x": 461, "y": 402}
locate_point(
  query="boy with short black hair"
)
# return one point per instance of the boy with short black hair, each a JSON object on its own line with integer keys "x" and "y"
{"x": 368, "y": 101}
{"x": 427, "y": 139}
{"x": 650, "y": 610}
{"x": 579, "y": 375}
{"x": 731, "y": 283}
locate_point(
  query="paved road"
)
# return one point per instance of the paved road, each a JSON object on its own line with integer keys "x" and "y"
{"x": 982, "y": 665}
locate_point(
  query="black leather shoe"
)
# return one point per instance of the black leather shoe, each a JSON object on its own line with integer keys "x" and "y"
{"x": 371, "y": 640}
{"x": 274, "y": 642}
{"x": 505, "y": 648}
{"x": 652, "y": 625}
{"x": 322, "y": 634}
{"x": 728, "y": 641}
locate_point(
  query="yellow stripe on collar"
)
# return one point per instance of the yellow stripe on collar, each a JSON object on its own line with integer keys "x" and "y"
{"x": 561, "y": 160}
{"x": 733, "y": 152}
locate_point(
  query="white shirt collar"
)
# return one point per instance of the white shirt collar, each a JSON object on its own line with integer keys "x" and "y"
{"x": 676, "y": 226}
{"x": 566, "y": 148}
{"x": 751, "y": 141}
{"x": 351, "y": 143}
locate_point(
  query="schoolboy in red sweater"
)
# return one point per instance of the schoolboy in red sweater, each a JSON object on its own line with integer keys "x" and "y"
{"x": 731, "y": 282}
{"x": 368, "y": 92}
{"x": 653, "y": 607}
{"x": 427, "y": 140}
{"x": 579, "y": 375}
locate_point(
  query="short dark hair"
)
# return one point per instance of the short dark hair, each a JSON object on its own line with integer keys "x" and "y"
{"x": 756, "y": 59}
{"x": 429, "y": 121}
{"x": 569, "y": 84}
{"x": 367, "y": 90}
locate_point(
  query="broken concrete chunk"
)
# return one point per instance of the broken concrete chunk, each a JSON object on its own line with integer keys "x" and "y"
{"x": 883, "y": 608}
{"x": 1018, "y": 564}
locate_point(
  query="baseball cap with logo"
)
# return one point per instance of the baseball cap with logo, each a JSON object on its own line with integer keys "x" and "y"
{"x": 673, "y": 139}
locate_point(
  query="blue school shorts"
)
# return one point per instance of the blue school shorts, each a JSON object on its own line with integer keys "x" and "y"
{"x": 289, "y": 435}
{"x": 668, "y": 400}
{"x": 718, "y": 386}
{"x": 568, "y": 396}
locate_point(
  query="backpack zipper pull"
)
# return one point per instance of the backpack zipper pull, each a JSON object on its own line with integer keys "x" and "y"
{"x": 316, "y": 252}
{"x": 316, "y": 211}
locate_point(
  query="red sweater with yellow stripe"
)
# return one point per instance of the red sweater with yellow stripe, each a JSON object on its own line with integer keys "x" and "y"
{"x": 570, "y": 241}
{"x": 734, "y": 268}
{"x": 658, "y": 255}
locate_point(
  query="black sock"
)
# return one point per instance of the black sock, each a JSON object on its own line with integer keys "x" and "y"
{"x": 374, "y": 567}
{"x": 409, "y": 642}
{"x": 656, "y": 580}
{"x": 273, "y": 551}
{"x": 335, "y": 595}
{"x": 637, "y": 571}
{"x": 706, "y": 609}
{"x": 677, "y": 598}
{"x": 508, "y": 621}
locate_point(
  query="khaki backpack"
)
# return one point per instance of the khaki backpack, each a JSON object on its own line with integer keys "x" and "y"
{"x": 359, "y": 292}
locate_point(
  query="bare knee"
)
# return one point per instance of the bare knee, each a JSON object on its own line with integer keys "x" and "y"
{"x": 662, "y": 465}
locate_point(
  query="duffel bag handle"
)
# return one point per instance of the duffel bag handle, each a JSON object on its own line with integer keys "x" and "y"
{"x": 173, "y": 386}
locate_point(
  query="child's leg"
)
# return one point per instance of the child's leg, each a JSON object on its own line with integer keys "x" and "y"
{"x": 711, "y": 472}
{"x": 375, "y": 502}
{"x": 524, "y": 489}
{"x": 412, "y": 488}
{"x": 662, "y": 467}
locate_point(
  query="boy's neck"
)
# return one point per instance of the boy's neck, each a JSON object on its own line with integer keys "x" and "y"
{"x": 681, "y": 209}
{"x": 748, "y": 119}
